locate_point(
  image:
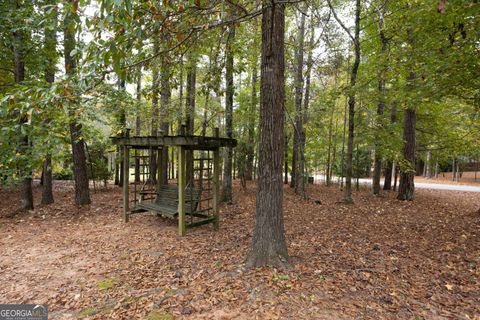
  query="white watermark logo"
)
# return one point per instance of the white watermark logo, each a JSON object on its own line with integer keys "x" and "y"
{"x": 23, "y": 312}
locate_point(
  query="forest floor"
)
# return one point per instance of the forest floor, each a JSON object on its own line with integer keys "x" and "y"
{"x": 376, "y": 259}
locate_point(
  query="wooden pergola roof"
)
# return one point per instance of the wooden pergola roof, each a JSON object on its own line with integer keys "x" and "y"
{"x": 189, "y": 142}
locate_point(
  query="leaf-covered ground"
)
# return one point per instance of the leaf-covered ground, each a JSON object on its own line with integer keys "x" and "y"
{"x": 376, "y": 259}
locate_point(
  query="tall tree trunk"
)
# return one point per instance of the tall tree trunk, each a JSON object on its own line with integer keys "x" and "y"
{"x": 351, "y": 108}
{"x": 387, "y": 182}
{"x": 165, "y": 97}
{"x": 138, "y": 122}
{"x": 406, "y": 187}
{"x": 428, "y": 169}
{"x": 351, "y": 97}
{"x": 334, "y": 156}
{"x": 50, "y": 43}
{"x": 122, "y": 123}
{"x": 227, "y": 167}
{"x": 377, "y": 164}
{"x": 389, "y": 169}
{"x": 117, "y": 167}
{"x": 268, "y": 243}
{"x": 395, "y": 176}
{"x": 285, "y": 156}
{"x": 47, "y": 188}
{"x": 190, "y": 115}
{"x": 19, "y": 70}
{"x": 299, "y": 116}
{"x": 191, "y": 89}
{"x": 251, "y": 126}
{"x": 293, "y": 175}
{"x": 306, "y": 102}
{"x": 342, "y": 158}
{"x": 180, "y": 94}
{"x": 155, "y": 115}
{"x": 329, "y": 151}
{"x": 82, "y": 192}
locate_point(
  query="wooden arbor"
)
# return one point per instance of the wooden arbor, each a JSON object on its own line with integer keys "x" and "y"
{"x": 182, "y": 200}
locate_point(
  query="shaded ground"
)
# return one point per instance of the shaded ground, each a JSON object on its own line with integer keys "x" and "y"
{"x": 378, "y": 258}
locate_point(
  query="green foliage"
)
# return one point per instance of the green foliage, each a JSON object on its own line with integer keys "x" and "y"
{"x": 97, "y": 164}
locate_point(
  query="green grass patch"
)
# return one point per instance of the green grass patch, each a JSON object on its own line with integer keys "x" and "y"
{"x": 107, "y": 283}
{"x": 158, "y": 315}
{"x": 280, "y": 277}
{"x": 88, "y": 312}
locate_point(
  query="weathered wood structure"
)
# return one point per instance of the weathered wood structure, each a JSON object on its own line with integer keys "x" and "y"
{"x": 196, "y": 193}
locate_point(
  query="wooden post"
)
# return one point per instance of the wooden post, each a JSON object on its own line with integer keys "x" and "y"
{"x": 181, "y": 191}
{"x": 126, "y": 176}
{"x": 216, "y": 183}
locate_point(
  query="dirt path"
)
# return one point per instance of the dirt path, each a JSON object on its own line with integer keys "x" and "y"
{"x": 378, "y": 258}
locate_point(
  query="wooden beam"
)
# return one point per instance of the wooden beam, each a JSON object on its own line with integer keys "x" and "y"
{"x": 188, "y": 141}
{"x": 201, "y": 222}
{"x": 181, "y": 191}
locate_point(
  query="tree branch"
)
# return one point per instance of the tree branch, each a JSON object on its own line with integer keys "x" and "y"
{"x": 340, "y": 22}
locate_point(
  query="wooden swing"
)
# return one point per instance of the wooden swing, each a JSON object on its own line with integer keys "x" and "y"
{"x": 196, "y": 193}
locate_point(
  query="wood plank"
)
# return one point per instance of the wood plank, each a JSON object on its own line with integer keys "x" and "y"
{"x": 201, "y": 222}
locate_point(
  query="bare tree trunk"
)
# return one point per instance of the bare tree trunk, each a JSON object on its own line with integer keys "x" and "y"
{"x": 406, "y": 188}
{"x": 329, "y": 151}
{"x": 229, "y": 92}
{"x": 306, "y": 102}
{"x": 251, "y": 126}
{"x": 459, "y": 174}
{"x": 82, "y": 192}
{"x": 299, "y": 116}
{"x": 377, "y": 166}
{"x": 50, "y": 43}
{"x": 351, "y": 107}
{"x": 351, "y": 100}
{"x": 476, "y": 169}
{"x": 122, "y": 123}
{"x": 453, "y": 169}
{"x": 342, "y": 158}
{"x": 428, "y": 170}
{"x": 389, "y": 170}
{"x": 293, "y": 174}
{"x": 285, "y": 156}
{"x": 165, "y": 97}
{"x": 117, "y": 167}
{"x": 155, "y": 115}
{"x": 180, "y": 94}
{"x": 47, "y": 192}
{"x": 19, "y": 70}
{"x": 334, "y": 156}
{"x": 190, "y": 114}
{"x": 138, "y": 122}
{"x": 268, "y": 243}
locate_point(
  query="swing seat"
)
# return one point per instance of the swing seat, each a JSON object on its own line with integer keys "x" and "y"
{"x": 166, "y": 202}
